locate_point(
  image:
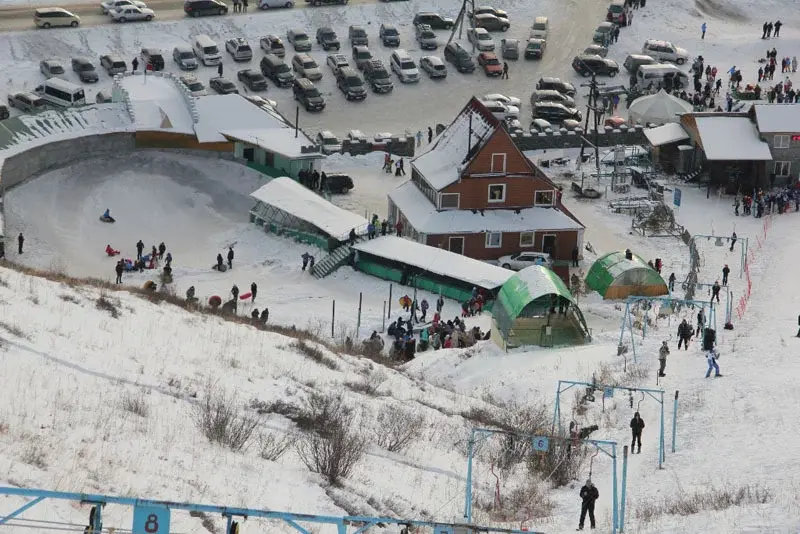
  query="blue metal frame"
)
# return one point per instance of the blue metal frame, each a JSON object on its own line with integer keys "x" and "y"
{"x": 479, "y": 434}
{"x": 744, "y": 244}
{"x": 651, "y": 392}
{"x": 362, "y": 523}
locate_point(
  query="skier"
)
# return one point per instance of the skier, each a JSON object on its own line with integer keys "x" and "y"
{"x": 235, "y": 291}
{"x": 589, "y": 495}
{"x": 712, "y": 356}
{"x": 230, "y": 257}
{"x": 733, "y": 240}
{"x": 637, "y": 425}
{"x": 162, "y": 248}
{"x": 703, "y": 30}
{"x": 306, "y": 256}
{"x": 253, "y": 291}
{"x": 725, "y": 272}
{"x": 684, "y": 333}
{"x": 672, "y": 282}
{"x": 20, "y": 242}
{"x": 662, "y": 358}
{"x": 119, "y": 268}
{"x": 139, "y": 249}
{"x": 777, "y": 27}
{"x": 423, "y": 306}
{"x": 715, "y": 291}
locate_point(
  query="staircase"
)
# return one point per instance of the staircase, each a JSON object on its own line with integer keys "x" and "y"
{"x": 332, "y": 261}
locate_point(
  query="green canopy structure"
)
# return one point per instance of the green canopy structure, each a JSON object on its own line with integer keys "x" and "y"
{"x": 616, "y": 277}
{"x": 534, "y": 307}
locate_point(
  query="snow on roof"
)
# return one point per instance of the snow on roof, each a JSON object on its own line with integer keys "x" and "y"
{"x": 436, "y": 260}
{"x": 666, "y": 134}
{"x": 447, "y": 155}
{"x": 158, "y": 103}
{"x": 731, "y": 139}
{"x": 291, "y": 197}
{"x": 278, "y": 140}
{"x": 778, "y": 118}
{"x": 424, "y": 218}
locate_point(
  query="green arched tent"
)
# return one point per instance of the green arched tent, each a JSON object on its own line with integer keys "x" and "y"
{"x": 534, "y": 307}
{"x": 616, "y": 277}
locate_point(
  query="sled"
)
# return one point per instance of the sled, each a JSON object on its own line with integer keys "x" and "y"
{"x": 245, "y": 296}
{"x": 112, "y": 253}
{"x": 107, "y": 219}
{"x": 221, "y": 268}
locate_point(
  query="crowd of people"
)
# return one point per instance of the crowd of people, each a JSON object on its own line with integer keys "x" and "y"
{"x": 779, "y": 201}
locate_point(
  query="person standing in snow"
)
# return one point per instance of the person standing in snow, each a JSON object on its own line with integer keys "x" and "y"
{"x": 119, "y": 269}
{"x": 230, "y": 257}
{"x": 575, "y": 254}
{"x": 504, "y": 76}
{"x": 715, "y": 291}
{"x": 703, "y": 30}
{"x": 662, "y": 358}
{"x": 419, "y": 137}
{"x": 423, "y": 306}
{"x": 672, "y": 282}
{"x": 399, "y": 228}
{"x": 139, "y": 249}
{"x": 725, "y": 272}
{"x": 764, "y": 31}
{"x": 20, "y": 242}
{"x": 439, "y": 304}
{"x": 253, "y": 291}
{"x": 219, "y": 262}
{"x": 219, "y": 70}
{"x": 306, "y": 256}
{"x": 777, "y": 27}
{"x": 769, "y": 30}
{"x": 701, "y": 321}
{"x": 711, "y": 357}
{"x": 589, "y": 495}
{"x": 637, "y": 425}
{"x": 684, "y": 334}
{"x": 162, "y": 248}
{"x": 235, "y": 291}
{"x": 733, "y": 240}
{"x": 2, "y": 249}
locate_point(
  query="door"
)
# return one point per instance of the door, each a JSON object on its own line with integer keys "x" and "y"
{"x": 456, "y": 244}
{"x": 549, "y": 244}
{"x": 249, "y": 154}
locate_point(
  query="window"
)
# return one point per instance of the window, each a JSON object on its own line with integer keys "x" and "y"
{"x": 543, "y": 198}
{"x": 780, "y": 141}
{"x": 498, "y": 163}
{"x": 448, "y": 201}
{"x": 526, "y": 239}
{"x": 497, "y": 192}
{"x": 494, "y": 239}
{"x": 782, "y": 168}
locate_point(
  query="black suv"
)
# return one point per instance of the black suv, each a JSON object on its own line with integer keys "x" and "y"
{"x": 457, "y": 55}
{"x": 378, "y": 77}
{"x": 554, "y": 113}
{"x": 197, "y": 8}
{"x": 587, "y": 65}
{"x": 328, "y": 39}
{"x": 339, "y": 183}
{"x": 276, "y": 70}
{"x": 556, "y": 85}
{"x": 153, "y": 57}
{"x": 434, "y": 20}
{"x": 325, "y": 2}
{"x": 350, "y": 83}
{"x": 306, "y": 93}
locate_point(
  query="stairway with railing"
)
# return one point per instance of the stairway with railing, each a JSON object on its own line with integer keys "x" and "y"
{"x": 339, "y": 255}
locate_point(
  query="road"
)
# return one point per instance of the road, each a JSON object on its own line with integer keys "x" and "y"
{"x": 14, "y": 19}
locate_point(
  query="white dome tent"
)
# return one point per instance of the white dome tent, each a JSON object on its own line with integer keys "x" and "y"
{"x": 659, "y": 108}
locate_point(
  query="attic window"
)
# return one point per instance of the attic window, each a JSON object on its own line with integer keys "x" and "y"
{"x": 543, "y": 198}
{"x": 499, "y": 162}
{"x": 497, "y": 193}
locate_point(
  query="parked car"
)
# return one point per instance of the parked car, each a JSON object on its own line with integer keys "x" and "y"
{"x": 103, "y": 96}
{"x": 272, "y": 44}
{"x": 108, "y": 5}
{"x": 269, "y": 4}
{"x": 51, "y": 67}
{"x": 223, "y": 86}
{"x": 85, "y": 69}
{"x": 535, "y": 48}
{"x": 520, "y": 260}
{"x": 540, "y": 28}
{"x": 600, "y": 66}
{"x": 500, "y": 110}
{"x": 513, "y": 125}
{"x": 350, "y": 83}
{"x": 4, "y": 113}
{"x": 361, "y": 55}
{"x": 329, "y": 143}
{"x": 665, "y": 51}
{"x": 596, "y": 50}
{"x": 557, "y": 85}
{"x": 551, "y": 95}
{"x": 132, "y": 14}
{"x": 459, "y": 57}
{"x": 602, "y": 34}
{"x": 336, "y": 61}
{"x": 184, "y": 57}
{"x": 358, "y": 36}
{"x": 555, "y": 113}
{"x": 276, "y": 70}
{"x": 497, "y": 97}
{"x": 299, "y": 39}
{"x": 304, "y": 66}
{"x": 152, "y": 57}
{"x": 53, "y": 17}
{"x": 193, "y": 84}
{"x": 403, "y": 65}
{"x": 490, "y": 22}
{"x": 113, "y": 64}
{"x": 509, "y": 48}
{"x": 433, "y": 66}
{"x": 325, "y": 2}
{"x": 262, "y": 102}
{"x": 634, "y": 61}
{"x": 307, "y": 94}
{"x": 328, "y": 39}
{"x": 434, "y": 20}
{"x": 239, "y": 49}
{"x": 339, "y": 183}
{"x": 618, "y": 12}
{"x": 252, "y": 79}
{"x": 27, "y": 102}
{"x": 389, "y": 35}
{"x": 426, "y": 37}
{"x": 378, "y": 77}
{"x": 571, "y": 124}
{"x": 198, "y": 8}
{"x": 381, "y": 138}
{"x": 481, "y": 10}
{"x": 540, "y": 126}
{"x": 491, "y": 65}
{"x": 481, "y": 39}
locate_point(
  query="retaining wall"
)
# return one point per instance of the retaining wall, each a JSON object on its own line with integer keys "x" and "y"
{"x": 569, "y": 139}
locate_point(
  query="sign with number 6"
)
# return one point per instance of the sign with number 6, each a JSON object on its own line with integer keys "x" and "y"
{"x": 541, "y": 444}
{"x": 150, "y": 520}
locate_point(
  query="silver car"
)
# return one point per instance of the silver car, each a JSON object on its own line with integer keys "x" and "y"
{"x": 51, "y": 67}
{"x": 300, "y": 40}
{"x": 433, "y": 66}
{"x": 509, "y": 48}
{"x": 113, "y": 64}
{"x": 27, "y": 102}
{"x": 426, "y": 37}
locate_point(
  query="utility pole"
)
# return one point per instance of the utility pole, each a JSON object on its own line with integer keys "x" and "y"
{"x": 459, "y": 23}
{"x": 592, "y": 108}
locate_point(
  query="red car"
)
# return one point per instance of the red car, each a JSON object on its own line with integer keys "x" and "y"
{"x": 491, "y": 65}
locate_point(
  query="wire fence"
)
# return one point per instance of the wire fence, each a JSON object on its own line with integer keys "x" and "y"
{"x": 752, "y": 254}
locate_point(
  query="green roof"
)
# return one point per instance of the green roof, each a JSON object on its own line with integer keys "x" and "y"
{"x": 614, "y": 270}
{"x": 528, "y": 285}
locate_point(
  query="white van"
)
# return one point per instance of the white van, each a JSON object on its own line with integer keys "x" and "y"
{"x": 540, "y": 28}
{"x": 654, "y": 76}
{"x": 207, "y": 50}
{"x": 61, "y": 93}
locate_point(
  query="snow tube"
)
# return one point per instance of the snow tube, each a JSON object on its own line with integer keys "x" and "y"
{"x": 149, "y": 285}
{"x": 107, "y": 219}
{"x": 221, "y": 268}
{"x": 215, "y": 301}
{"x": 245, "y": 296}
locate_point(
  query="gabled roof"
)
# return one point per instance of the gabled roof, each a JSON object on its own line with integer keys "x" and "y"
{"x": 731, "y": 139}
{"x": 777, "y": 118}
{"x": 452, "y": 150}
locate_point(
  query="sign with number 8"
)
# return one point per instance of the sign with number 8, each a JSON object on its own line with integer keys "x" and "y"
{"x": 150, "y": 520}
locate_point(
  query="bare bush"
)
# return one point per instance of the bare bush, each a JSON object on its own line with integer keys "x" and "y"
{"x": 272, "y": 447}
{"x": 69, "y": 298}
{"x": 523, "y": 503}
{"x": 13, "y": 329}
{"x": 368, "y": 385}
{"x": 222, "y": 421}
{"x": 103, "y": 302}
{"x": 3, "y": 282}
{"x": 315, "y": 353}
{"x": 35, "y": 455}
{"x": 527, "y": 420}
{"x": 560, "y": 465}
{"x": 398, "y": 428}
{"x": 135, "y": 403}
{"x": 691, "y": 503}
{"x": 332, "y": 448}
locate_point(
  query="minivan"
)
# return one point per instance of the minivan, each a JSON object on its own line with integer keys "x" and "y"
{"x": 61, "y": 93}
{"x": 655, "y": 76}
{"x": 540, "y": 28}
{"x": 402, "y": 65}
{"x": 307, "y": 94}
{"x": 276, "y": 70}
{"x": 52, "y": 17}
{"x": 350, "y": 83}
{"x": 207, "y": 50}
{"x": 634, "y": 61}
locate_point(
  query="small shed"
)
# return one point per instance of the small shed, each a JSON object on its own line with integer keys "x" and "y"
{"x": 534, "y": 307}
{"x": 616, "y": 277}
{"x": 664, "y": 141}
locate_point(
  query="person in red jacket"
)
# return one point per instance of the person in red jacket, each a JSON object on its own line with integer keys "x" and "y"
{"x": 399, "y": 228}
